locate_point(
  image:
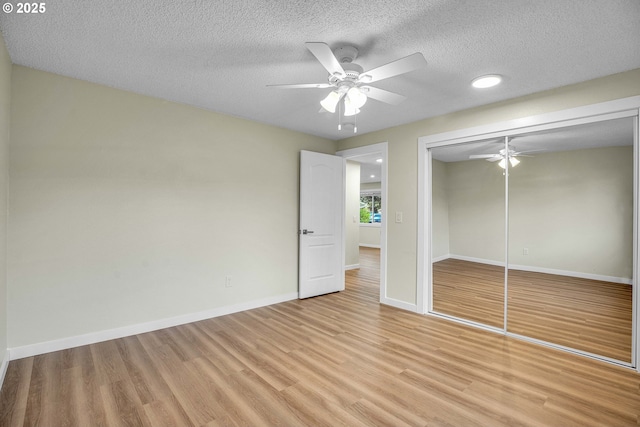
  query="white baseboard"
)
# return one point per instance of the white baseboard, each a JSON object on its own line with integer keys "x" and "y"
{"x": 110, "y": 334}
{"x": 352, "y": 267}
{"x": 364, "y": 245}
{"x": 534, "y": 269}
{"x": 399, "y": 304}
{"x": 478, "y": 260}
{"x": 612, "y": 279}
{"x": 441, "y": 258}
{"x": 3, "y": 368}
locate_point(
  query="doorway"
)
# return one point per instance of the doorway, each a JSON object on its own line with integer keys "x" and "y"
{"x": 365, "y": 229}
{"x": 532, "y": 231}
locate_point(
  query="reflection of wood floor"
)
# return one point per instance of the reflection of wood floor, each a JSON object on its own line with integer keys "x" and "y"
{"x": 588, "y": 315}
{"x": 338, "y": 359}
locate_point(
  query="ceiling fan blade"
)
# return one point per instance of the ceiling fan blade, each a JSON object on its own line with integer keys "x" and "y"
{"x": 383, "y": 95}
{"x": 494, "y": 159}
{"x": 485, "y": 156}
{"x": 323, "y": 53}
{"x": 395, "y": 68}
{"x": 519, "y": 153}
{"x": 303, "y": 86}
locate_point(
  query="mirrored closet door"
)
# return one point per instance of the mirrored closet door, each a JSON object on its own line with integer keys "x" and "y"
{"x": 571, "y": 237}
{"x": 556, "y": 207}
{"x": 468, "y": 234}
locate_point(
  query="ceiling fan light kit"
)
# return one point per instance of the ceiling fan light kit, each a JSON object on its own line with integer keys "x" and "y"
{"x": 347, "y": 79}
{"x": 331, "y": 101}
{"x": 356, "y": 97}
{"x": 514, "y": 162}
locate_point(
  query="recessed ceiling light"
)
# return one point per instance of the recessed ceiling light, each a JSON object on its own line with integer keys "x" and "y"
{"x": 489, "y": 80}
{"x": 379, "y": 160}
{"x": 373, "y": 176}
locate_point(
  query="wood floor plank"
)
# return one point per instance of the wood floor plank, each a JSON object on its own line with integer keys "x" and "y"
{"x": 312, "y": 408}
{"x": 230, "y": 406}
{"x": 44, "y": 390}
{"x": 15, "y": 392}
{"x": 122, "y": 406}
{"x": 167, "y": 413}
{"x": 146, "y": 380}
{"x": 188, "y": 388}
{"x": 86, "y": 403}
{"x": 371, "y": 414}
{"x": 108, "y": 363}
{"x": 339, "y": 359}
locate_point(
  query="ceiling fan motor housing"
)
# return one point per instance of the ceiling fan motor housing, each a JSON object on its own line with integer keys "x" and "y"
{"x": 346, "y": 54}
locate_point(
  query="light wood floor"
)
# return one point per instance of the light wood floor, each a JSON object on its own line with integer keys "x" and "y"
{"x": 588, "y": 315}
{"x": 340, "y": 359}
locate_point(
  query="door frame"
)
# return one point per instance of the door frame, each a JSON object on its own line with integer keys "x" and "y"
{"x": 382, "y": 149}
{"x": 625, "y": 107}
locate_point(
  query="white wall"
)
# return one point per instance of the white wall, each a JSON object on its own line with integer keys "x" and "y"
{"x": 127, "y": 209}
{"x": 403, "y": 163}
{"x": 371, "y": 186}
{"x": 5, "y": 97}
{"x": 352, "y": 214}
{"x": 370, "y": 235}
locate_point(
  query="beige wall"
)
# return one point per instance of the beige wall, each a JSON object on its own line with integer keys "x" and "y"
{"x": 403, "y": 162}
{"x": 352, "y": 214}
{"x": 127, "y": 209}
{"x": 5, "y": 97}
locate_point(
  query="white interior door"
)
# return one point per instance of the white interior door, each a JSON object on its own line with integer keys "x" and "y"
{"x": 321, "y": 221}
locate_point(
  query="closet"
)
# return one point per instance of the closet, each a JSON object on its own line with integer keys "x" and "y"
{"x": 532, "y": 234}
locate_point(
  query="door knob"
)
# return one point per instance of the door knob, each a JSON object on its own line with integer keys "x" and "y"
{"x": 305, "y": 231}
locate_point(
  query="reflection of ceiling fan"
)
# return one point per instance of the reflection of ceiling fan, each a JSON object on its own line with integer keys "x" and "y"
{"x": 503, "y": 156}
{"x": 349, "y": 83}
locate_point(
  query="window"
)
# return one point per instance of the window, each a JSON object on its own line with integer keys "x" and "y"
{"x": 370, "y": 208}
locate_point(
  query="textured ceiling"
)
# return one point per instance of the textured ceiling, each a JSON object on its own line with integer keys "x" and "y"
{"x": 221, "y": 55}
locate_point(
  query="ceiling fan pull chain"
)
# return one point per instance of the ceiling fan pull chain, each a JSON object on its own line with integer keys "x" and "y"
{"x": 340, "y": 115}
{"x": 355, "y": 123}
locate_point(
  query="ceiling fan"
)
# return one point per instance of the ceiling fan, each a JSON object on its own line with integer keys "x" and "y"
{"x": 504, "y": 155}
{"x": 349, "y": 83}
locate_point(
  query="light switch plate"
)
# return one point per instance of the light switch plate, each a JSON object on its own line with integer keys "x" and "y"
{"x": 398, "y": 217}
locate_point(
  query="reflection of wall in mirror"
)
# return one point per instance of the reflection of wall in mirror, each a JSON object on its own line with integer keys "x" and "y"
{"x": 572, "y": 210}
